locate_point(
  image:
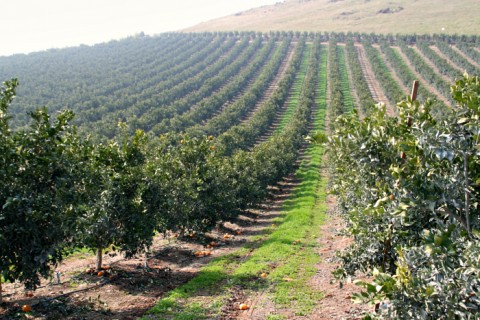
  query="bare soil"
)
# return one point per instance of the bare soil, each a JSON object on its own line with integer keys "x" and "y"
{"x": 421, "y": 78}
{"x": 430, "y": 62}
{"x": 460, "y": 52}
{"x": 391, "y": 69}
{"x": 375, "y": 89}
{"x": 336, "y": 303}
{"x": 442, "y": 55}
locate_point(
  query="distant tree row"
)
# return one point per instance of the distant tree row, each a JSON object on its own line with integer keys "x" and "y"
{"x": 157, "y": 83}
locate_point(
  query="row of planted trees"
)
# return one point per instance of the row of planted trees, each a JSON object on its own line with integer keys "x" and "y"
{"x": 409, "y": 189}
{"x": 60, "y": 191}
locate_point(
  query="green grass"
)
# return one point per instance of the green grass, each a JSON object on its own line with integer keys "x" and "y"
{"x": 348, "y": 101}
{"x": 277, "y": 254}
{"x": 321, "y": 97}
{"x": 296, "y": 90}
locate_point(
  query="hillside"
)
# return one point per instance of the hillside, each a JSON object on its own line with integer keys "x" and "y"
{"x": 379, "y": 16}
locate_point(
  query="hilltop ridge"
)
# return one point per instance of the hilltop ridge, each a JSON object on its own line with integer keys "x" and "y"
{"x": 378, "y": 16}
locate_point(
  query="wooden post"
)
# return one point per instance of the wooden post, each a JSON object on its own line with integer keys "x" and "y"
{"x": 414, "y": 97}
{"x": 414, "y": 90}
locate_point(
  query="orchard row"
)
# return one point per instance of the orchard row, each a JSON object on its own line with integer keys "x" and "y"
{"x": 211, "y": 81}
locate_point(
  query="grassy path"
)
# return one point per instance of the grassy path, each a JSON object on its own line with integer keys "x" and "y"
{"x": 277, "y": 266}
{"x": 348, "y": 100}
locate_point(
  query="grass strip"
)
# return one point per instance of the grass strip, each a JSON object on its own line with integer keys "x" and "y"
{"x": 296, "y": 90}
{"x": 348, "y": 101}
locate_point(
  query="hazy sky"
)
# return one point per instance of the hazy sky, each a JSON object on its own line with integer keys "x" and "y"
{"x": 33, "y": 25}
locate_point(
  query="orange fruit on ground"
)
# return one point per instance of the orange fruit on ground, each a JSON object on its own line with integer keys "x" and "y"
{"x": 213, "y": 243}
{"x": 26, "y": 308}
{"x": 243, "y": 306}
{"x": 264, "y": 275}
{"x": 100, "y": 273}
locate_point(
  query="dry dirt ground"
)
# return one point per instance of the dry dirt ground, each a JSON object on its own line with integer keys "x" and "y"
{"x": 336, "y": 303}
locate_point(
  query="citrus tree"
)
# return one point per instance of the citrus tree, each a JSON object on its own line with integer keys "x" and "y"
{"x": 38, "y": 192}
{"x": 409, "y": 188}
{"x": 113, "y": 211}
{"x": 190, "y": 183}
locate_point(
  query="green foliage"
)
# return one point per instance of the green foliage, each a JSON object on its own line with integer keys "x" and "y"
{"x": 409, "y": 191}
{"x": 113, "y": 211}
{"x": 38, "y": 192}
{"x": 391, "y": 88}
{"x": 359, "y": 81}
{"x": 188, "y": 185}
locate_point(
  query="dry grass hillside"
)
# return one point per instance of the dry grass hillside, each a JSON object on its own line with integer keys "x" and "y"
{"x": 378, "y": 16}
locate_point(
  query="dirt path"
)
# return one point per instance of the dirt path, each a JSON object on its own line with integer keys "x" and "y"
{"x": 336, "y": 303}
{"x": 433, "y": 65}
{"x": 450, "y": 62}
{"x": 245, "y": 89}
{"x": 375, "y": 89}
{"x": 466, "y": 57}
{"x": 420, "y": 77}
{"x": 274, "y": 84}
{"x": 391, "y": 69}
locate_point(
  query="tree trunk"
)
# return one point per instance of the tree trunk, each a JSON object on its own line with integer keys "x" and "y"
{"x": 99, "y": 259}
{"x": 467, "y": 192}
{"x": 1, "y": 293}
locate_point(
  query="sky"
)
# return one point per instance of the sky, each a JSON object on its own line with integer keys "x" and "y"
{"x": 36, "y": 25}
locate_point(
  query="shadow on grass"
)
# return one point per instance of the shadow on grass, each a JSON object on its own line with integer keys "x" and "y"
{"x": 207, "y": 287}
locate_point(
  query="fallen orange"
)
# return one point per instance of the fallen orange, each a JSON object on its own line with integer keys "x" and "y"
{"x": 26, "y": 308}
{"x": 243, "y": 306}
